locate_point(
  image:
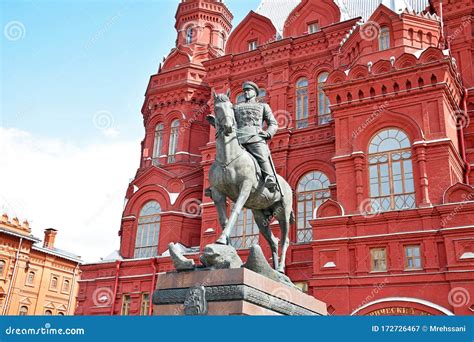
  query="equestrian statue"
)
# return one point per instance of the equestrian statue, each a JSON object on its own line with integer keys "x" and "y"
{"x": 243, "y": 170}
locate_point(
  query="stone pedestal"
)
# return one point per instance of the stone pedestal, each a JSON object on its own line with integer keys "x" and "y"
{"x": 229, "y": 292}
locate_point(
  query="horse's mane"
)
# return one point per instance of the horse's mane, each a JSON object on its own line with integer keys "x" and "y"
{"x": 219, "y": 98}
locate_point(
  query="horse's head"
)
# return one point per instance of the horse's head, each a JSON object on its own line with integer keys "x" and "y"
{"x": 225, "y": 120}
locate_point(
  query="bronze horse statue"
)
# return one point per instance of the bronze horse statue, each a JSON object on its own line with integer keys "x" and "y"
{"x": 236, "y": 175}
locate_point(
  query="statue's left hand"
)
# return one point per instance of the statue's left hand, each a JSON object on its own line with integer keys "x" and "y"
{"x": 265, "y": 135}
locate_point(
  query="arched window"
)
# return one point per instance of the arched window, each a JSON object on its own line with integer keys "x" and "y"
{"x": 2, "y": 267}
{"x": 324, "y": 113}
{"x": 158, "y": 143}
{"x": 221, "y": 40}
{"x": 253, "y": 45}
{"x": 302, "y": 103}
{"x": 245, "y": 233}
{"x": 54, "y": 283}
{"x": 189, "y": 35}
{"x": 173, "y": 141}
{"x": 60, "y": 313}
{"x": 391, "y": 171}
{"x": 126, "y": 302}
{"x": 148, "y": 231}
{"x": 384, "y": 39}
{"x": 48, "y": 313}
{"x": 23, "y": 311}
{"x": 30, "y": 279}
{"x": 145, "y": 304}
{"x": 65, "y": 286}
{"x": 262, "y": 96}
{"x": 312, "y": 191}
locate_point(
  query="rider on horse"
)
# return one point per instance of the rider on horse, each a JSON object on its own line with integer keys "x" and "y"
{"x": 249, "y": 117}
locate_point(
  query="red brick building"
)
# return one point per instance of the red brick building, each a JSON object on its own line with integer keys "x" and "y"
{"x": 374, "y": 99}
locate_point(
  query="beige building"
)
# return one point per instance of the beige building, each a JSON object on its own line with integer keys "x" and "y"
{"x": 35, "y": 278}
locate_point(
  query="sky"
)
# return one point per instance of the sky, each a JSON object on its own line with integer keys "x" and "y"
{"x": 73, "y": 78}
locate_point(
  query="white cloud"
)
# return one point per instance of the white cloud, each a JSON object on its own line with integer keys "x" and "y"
{"x": 77, "y": 190}
{"x": 111, "y": 132}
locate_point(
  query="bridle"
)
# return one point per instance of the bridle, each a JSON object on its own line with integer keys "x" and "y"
{"x": 220, "y": 132}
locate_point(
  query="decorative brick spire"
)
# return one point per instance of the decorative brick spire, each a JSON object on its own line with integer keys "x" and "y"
{"x": 203, "y": 24}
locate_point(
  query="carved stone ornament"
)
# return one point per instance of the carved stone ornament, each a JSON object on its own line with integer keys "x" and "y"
{"x": 195, "y": 303}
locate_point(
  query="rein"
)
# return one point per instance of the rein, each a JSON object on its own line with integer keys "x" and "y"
{"x": 219, "y": 132}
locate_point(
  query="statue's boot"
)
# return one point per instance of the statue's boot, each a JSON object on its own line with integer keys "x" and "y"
{"x": 270, "y": 183}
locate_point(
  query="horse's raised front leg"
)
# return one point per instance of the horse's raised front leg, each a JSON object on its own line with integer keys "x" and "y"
{"x": 237, "y": 208}
{"x": 221, "y": 206}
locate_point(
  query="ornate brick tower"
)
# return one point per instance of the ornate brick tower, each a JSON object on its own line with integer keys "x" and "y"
{"x": 163, "y": 201}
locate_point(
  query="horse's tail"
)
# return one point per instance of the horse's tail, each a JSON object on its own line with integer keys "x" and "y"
{"x": 292, "y": 217}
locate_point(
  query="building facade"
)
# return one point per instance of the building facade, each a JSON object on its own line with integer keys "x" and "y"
{"x": 374, "y": 100}
{"x": 35, "y": 280}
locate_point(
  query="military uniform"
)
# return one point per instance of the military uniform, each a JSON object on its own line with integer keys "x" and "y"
{"x": 249, "y": 117}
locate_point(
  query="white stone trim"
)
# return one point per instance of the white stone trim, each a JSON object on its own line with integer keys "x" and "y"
{"x": 467, "y": 255}
{"x": 392, "y": 234}
{"x": 173, "y": 197}
{"x": 348, "y": 155}
{"x": 187, "y": 153}
{"x": 407, "y": 300}
{"x": 421, "y": 142}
